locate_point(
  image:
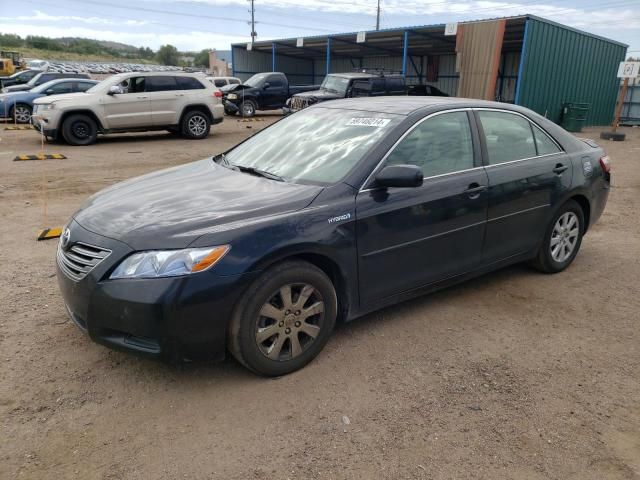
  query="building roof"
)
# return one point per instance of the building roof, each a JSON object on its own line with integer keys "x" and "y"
{"x": 423, "y": 40}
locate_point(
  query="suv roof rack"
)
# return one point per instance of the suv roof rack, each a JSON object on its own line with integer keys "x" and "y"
{"x": 377, "y": 71}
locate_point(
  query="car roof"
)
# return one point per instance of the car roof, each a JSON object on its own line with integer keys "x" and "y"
{"x": 365, "y": 75}
{"x": 405, "y": 105}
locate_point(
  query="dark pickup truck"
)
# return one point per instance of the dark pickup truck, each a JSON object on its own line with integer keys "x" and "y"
{"x": 347, "y": 85}
{"x": 263, "y": 91}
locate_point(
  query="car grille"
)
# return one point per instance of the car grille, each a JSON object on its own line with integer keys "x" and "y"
{"x": 298, "y": 103}
{"x": 80, "y": 259}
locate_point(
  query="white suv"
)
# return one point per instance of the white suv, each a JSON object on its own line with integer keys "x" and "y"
{"x": 132, "y": 102}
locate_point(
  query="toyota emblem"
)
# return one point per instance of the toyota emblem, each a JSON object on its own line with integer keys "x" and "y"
{"x": 64, "y": 238}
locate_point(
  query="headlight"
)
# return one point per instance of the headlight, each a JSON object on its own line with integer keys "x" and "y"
{"x": 46, "y": 106}
{"x": 169, "y": 263}
{"x": 232, "y": 96}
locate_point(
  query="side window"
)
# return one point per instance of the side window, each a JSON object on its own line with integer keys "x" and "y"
{"x": 275, "y": 83}
{"x": 133, "y": 85}
{"x": 361, "y": 88}
{"x": 233, "y": 81}
{"x": 377, "y": 85}
{"x": 544, "y": 144}
{"x": 439, "y": 145}
{"x": 189, "y": 83}
{"x": 63, "y": 87}
{"x": 82, "y": 86}
{"x": 219, "y": 83}
{"x": 508, "y": 136}
{"x": 395, "y": 84}
{"x": 161, "y": 84}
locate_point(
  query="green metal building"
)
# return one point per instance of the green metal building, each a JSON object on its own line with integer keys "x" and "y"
{"x": 542, "y": 64}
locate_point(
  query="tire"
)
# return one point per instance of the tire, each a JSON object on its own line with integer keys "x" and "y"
{"x": 562, "y": 239}
{"x": 195, "y": 125}
{"x": 79, "y": 130}
{"x": 22, "y": 113}
{"x": 263, "y": 311}
{"x": 229, "y": 112}
{"x": 248, "y": 108}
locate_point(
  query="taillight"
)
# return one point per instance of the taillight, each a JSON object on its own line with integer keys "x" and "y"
{"x": 217, "y": 94}
{"x": 605, "y": 164}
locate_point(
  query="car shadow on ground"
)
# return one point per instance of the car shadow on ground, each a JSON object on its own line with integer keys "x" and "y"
{"x": 231, "y": 371}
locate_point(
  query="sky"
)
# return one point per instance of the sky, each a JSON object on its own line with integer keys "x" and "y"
{"x": 193, "y": 25}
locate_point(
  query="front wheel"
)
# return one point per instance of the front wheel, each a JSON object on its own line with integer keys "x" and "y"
{"x": 248, "y": 108}
{"x": 79, "y": 130}
{"x": 284, "y": 319}
{"x": 196, "y": 125}
{"x": 22, "y": 113}
{"x": 562, "y": 239}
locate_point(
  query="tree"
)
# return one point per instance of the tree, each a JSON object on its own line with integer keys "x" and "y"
{"x": 168, "y": 55}
{"x": 202, "y": 59}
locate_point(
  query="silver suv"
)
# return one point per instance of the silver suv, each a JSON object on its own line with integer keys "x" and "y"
{"x": 182, "y": 103}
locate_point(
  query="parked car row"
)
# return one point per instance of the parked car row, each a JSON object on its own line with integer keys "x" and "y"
{"x": 271, "y": 90}
{"x": 77, "y": 109}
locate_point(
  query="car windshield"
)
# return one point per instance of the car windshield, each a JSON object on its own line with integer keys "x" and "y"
{"x": 256, "y": 80}
{"x": 34, "y": 80}
{"x": 44, "y": 86}
{"x": 316, "y": 145}
{"x": 335, "y": 84}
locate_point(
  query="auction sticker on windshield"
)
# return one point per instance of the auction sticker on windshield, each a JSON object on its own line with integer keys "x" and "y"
{"x": 369, "y": 122}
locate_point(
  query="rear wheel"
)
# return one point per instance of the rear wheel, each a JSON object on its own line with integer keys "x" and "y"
{"x": 196, "y": 125}
{"x": 284, "y": 319}
{"x": 562, "y": 239}
{"x": 79, "y": 130}
{"x": 22, "y": 113}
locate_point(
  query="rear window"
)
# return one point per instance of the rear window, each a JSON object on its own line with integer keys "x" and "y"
{"x": 161, "y": 84}
{"x": 189, "y": 83}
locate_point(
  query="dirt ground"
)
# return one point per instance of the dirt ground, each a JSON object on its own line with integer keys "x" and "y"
{"x": 513, "y": 375}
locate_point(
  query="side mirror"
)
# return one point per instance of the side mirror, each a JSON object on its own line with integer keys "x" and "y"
{"x": 49, "y": 92}
{"x": 266, "y": 85}
{"x": 115, "y": 90}
{"x": 401, "y": 176}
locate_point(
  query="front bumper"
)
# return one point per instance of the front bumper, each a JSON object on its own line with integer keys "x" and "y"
{"x": 171, "y": 318}
{"x": 230, "y": 107}
{"x": 44, "y": 124}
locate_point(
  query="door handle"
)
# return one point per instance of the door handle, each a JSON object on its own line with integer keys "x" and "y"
{"x": 474, "y": 190}
{"x": 559, "y": 168}
{"x": 142, "y": 96}
{"x": 179, "y": 94}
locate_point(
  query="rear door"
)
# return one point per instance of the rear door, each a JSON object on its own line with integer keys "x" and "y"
{"x": 130, "y": 109}
{"x": 410, "y": 237}
{"x": 165, "y": 98}
{"x": 527, "y": 173}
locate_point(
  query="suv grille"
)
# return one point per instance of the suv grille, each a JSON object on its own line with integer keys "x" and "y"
{"x": 80, "y": 259}
{"x": 298, "y": 103}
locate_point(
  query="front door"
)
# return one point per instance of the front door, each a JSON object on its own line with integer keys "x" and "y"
{"x": 275, "y": 95}
{"x": 128, "y": 109}
{"x": 527, "y": 171}
{"x": 410, "y": 237}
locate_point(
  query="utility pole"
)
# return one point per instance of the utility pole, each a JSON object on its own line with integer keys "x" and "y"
{"x": 378, "y": 17}
{"x": 253, "y": 23}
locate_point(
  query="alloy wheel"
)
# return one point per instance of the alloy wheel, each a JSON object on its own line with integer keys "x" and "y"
{"x": 197, "y": 125}
{"x": 290, "y": 321}
{"x": 22, "y": 114}
{"x": 564, "y": 237}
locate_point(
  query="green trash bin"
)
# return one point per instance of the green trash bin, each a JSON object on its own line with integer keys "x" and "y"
{"x": 574, "y": 116}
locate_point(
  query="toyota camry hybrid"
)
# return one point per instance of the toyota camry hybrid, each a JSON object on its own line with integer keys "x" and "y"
{"x": 328, "y": 214}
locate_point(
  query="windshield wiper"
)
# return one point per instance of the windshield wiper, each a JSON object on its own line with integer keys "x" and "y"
{"x": 260, "y": 173}
{"x": 222, "y": 160}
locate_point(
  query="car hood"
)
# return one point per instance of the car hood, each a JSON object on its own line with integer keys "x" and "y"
{"x": 172, "y": 208}
{"x": 319, "y": 95}
{"x": 71, "y": 97}
{"x": 19, "y": 88}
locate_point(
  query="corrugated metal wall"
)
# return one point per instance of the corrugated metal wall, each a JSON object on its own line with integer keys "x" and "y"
{"x": 248, "y": 63}
{"x": 563, "y": 65}
{"x": 630, "y": 114}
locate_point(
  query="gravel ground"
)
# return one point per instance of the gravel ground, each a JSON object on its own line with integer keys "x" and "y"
{"x": 512, "y": 375}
